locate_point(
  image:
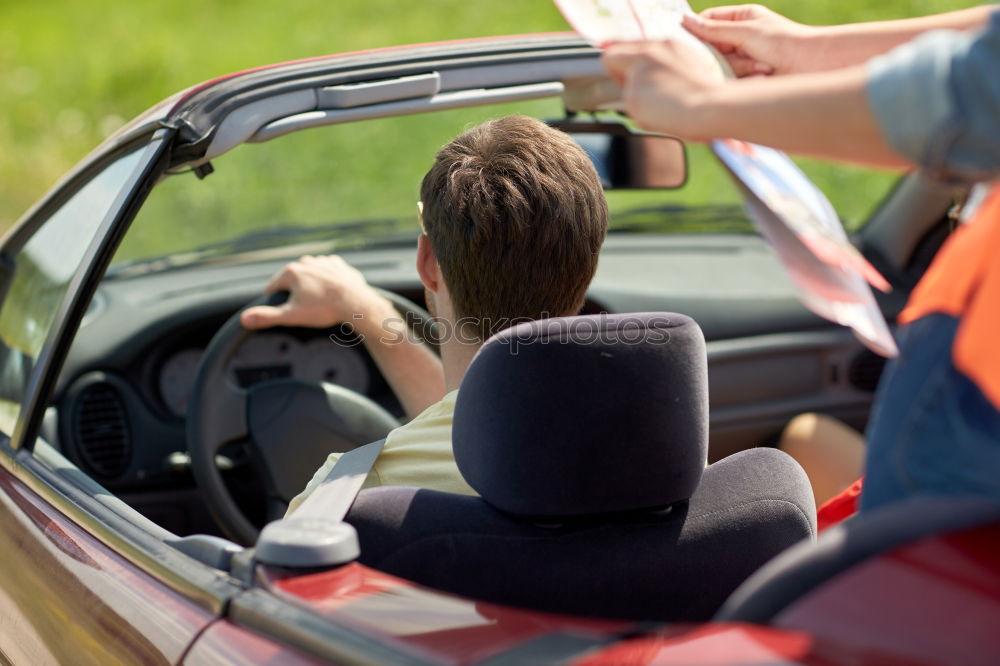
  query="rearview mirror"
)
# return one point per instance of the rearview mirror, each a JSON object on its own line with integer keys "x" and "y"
{"x": 628, "y": 160}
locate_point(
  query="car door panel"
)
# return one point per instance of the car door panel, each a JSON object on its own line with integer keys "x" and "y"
{"x": 69, "y": 598}
{"x": 757, "y": 384}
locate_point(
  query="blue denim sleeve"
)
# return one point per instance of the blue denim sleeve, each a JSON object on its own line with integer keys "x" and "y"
{"x": 937, "y": 101}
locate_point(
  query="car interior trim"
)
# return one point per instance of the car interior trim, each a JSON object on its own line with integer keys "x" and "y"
{"x": 376, "y": 92}
{"x": 241, "y": 124}
{"x": 441, "y": 102}
{"x": 777, "y": 343}
{"x": 205, "y": 107}
{"x": 482, "y": 70}
{"x": 440, "y": 90}
{"x": 493, "y": 75}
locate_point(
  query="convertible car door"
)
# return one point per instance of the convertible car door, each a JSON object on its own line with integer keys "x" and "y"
{"x": 67, "y": 597}
{"x": 82, "y": 580}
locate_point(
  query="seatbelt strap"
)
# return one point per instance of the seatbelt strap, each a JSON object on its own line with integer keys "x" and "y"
{"x": 335, "y": 495}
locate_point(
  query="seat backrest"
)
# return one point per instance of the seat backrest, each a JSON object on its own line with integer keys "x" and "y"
{"x": 586, "y": 438}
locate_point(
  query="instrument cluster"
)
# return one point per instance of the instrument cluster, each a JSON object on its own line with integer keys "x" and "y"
{"x": 269, "y": 355}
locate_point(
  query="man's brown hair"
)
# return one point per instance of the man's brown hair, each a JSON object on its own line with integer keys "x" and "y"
{"x": 516, "y": 215}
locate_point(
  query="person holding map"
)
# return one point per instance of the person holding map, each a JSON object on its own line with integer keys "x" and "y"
{"x": 928, "y": 100}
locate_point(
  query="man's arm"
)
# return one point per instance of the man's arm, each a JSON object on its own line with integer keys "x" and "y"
{"x": 932, "y": 102}
{"x": 325, "y": 291}
{"x": 413, "y": 371}
{"x": 853, "y": 44}
{"x": 666, "y": 89}
{"x": 757, "y": 40}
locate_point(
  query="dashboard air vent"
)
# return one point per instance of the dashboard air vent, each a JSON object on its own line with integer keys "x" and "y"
{"x": 865, "y": 371}
{"x": 101, "y": 428}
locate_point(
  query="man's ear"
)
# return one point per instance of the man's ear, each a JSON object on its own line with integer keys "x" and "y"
{"x": 427, "y": 264}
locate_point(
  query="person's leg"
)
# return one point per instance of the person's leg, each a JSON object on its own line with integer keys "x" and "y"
{"x": 932, "y": 430}
{"x": 830, "y": 452}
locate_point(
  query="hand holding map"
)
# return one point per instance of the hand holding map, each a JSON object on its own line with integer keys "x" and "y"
{"x": 832, "y": 276}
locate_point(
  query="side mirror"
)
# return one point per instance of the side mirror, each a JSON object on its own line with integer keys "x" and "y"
{"x": 628, "y": 160}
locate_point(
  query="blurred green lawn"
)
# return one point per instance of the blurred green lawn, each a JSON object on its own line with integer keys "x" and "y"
{"x": 72, "y": 71}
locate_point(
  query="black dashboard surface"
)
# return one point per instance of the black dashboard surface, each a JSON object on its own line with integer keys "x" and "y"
{"x": 732, "y": 285}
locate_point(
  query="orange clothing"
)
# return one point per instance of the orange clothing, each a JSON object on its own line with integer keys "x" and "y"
{"x": 964, "y": 282}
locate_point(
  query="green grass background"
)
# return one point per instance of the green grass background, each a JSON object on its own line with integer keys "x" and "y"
{"x": 72, "y": 71}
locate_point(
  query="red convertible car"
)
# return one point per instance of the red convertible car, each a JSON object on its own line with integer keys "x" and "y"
{"x": 145, "y": 438}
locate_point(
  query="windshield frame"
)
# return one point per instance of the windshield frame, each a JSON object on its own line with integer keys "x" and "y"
{"x": 86, "y": 277}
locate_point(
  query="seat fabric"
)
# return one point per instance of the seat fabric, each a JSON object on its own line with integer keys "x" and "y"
{"x": 674, "y": 565}
{"x": 570, "y": 417}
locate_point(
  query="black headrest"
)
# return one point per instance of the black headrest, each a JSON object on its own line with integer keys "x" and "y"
{"x": 579, "y": 416}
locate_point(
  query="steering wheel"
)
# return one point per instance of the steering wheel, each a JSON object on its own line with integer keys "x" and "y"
{"x": 289, "y": 425}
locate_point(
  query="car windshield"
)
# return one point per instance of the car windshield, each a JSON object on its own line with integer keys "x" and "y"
{"x": 357, "y": 184}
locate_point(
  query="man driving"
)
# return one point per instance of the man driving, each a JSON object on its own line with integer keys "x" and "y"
{"x": 513, "y": 217}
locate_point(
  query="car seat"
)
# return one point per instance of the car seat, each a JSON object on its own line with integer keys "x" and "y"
{"x": 586, "y": 439}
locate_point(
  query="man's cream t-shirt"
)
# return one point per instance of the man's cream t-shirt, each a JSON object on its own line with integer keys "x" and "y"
{"x": 417, "y": 454}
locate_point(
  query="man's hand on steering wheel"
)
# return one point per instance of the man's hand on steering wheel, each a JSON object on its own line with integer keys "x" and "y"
{"x": 323, "y": 292}
{"x": 290, "y": 425}
{"x": 326, "y": 291}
